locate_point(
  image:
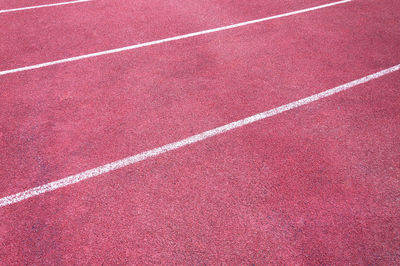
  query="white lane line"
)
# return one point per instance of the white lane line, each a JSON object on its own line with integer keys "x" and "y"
{"x": 117, "y": 50}
{"x": 184, "y": 142}
{"x": 40, "y": 6}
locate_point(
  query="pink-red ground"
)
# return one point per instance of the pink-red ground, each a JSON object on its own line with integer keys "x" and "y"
{"x": 316, "y": 185}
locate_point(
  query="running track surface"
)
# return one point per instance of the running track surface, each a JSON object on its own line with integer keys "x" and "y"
{"x": 319, "y": 184}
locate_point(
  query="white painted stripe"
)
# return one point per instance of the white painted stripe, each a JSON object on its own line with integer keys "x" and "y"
{"x": 47, "y": 5}
{"x": 117, "y": 50}
{"x": 184, "y": 142}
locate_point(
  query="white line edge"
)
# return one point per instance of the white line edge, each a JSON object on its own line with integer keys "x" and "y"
{"x": 117, "y": 50}
{"x": 40, "y": 6}
{"x": 184, "y": 142}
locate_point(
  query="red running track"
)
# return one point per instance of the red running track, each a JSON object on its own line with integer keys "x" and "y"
{"x": 318, "y": 184}
{"x": 103, "y": 24}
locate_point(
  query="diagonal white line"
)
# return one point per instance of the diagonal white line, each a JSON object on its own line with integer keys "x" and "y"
{"x": 184, "y": 142}
{"x": 136, "y": 46}
{"x": 40, "y": 6}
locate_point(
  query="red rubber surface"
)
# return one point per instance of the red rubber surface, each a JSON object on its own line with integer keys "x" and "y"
{"x": 72, "y": 30}
{"x": 316, "y": 185}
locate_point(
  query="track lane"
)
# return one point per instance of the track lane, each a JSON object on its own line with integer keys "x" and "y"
{"x": 316, "y": 185}
{"x": 128, "y": 161}
{"x": 170, "y": 39}
{"x": 11, "y": 4}
{"x": 21, "y": 9}
{"x": 56, "y": 125}
{"x": 103, "y": 25}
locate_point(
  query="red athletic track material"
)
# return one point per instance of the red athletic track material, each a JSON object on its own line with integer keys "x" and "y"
{"x": 11, "y": 4}
{"x": 319, "y": 184}
{"x": 110, "y": 107}
{"x": 103, "y": 24}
